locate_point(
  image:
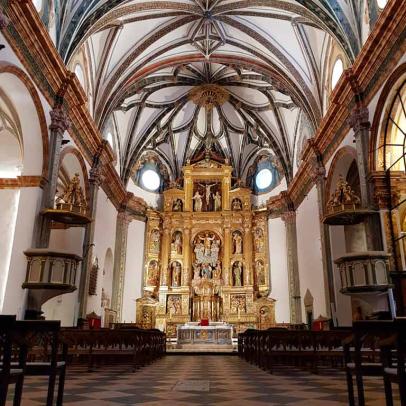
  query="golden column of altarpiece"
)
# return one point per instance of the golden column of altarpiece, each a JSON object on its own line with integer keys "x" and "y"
{"x": 206, "y": 255}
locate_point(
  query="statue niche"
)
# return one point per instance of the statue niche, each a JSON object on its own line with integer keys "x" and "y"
{"x": 177, "y": 205}
{"x": 236, "y": 204}
{"x": 155, "y": 241}
{"x": 177, "y": 243}
{"x": 207, "y": 197}
{"x": 153, "y": 273}
{"x": 260, "y": 273}
{"x": 237, "y": 243}
{"x": 176, "y": 274}
{"x": 237, "y": 273}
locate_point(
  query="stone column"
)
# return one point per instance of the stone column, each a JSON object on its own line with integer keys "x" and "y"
{"x": 88, "y": 241}
{"x": 120, "y": 253}
{"x": 359, "y": 122}
{"x": 318, "y": 175}
{"x": 289, "y": 217}
{"x": 59, "y": 124}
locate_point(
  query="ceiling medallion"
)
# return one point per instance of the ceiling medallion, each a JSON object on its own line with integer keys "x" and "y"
{"x": 208, "y": 96}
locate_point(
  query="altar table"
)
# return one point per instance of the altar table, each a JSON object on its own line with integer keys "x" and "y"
{"x": 215, "y": 333}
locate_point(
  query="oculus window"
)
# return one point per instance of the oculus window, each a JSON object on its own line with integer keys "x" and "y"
{"x": 263, "y": 179}
{"x": 150, "y": 180}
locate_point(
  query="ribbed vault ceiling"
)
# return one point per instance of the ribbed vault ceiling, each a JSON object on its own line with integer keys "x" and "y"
{"x": 267, "y": 56}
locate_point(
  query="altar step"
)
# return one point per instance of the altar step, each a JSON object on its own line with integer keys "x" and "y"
{"x": 201, "y": 348}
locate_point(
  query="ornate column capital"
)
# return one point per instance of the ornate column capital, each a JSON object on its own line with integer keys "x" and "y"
{"x": 359, "y": 119}
{"x": 288, "y": 217}
{"x": 4, "y": 21}
{"x": 59, "y": 120}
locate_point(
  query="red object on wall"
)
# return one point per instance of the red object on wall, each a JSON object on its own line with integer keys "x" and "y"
{"x": 321, "y": 324}
{"x": 204, "y": 322}
{"x": 94, "y": 321}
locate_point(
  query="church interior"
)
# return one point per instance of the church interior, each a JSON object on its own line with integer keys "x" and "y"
{"x": 202, "y": 202}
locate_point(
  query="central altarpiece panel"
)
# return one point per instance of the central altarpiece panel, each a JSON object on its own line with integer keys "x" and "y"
{"x": 206, "y": 255}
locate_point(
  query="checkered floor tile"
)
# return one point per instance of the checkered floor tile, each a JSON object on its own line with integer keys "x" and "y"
{"x": 201, "y": 380}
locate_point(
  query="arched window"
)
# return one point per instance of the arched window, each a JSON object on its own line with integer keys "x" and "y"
{"x": 80, "y": 75}
{"x": 338, "y": 70}
{"x": 109, "y": 138}
{"x": 381, "y": 3}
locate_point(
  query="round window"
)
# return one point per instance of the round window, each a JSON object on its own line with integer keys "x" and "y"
{"x": 338, "y": 70}
{"x": 263, "y": 179}
{"x": 151, "y": 180}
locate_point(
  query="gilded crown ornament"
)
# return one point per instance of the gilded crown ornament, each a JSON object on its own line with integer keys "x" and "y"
{"x": 72, "y": 199}
{"x": 209, "y": 96}
{"x": 343, "y": 197}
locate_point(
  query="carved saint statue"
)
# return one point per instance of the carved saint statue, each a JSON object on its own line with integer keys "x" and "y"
{"x": 153, "y": 273}
{"x": 177, "y": 205}
{"x": 174, "y": 305}
{"x": 259, "y": 240}
{"x": 237, "y": 242}
{"x": 197, "y": 201}
{"x": 217, "y": 271}
{"x": 176, "y": 246}
{"x": 207, "y": 240}
{"x": 237, "y": 273}
{"x": 217, "y": 201}
{"x": 260, "y": 270}
{"x": 237, "y": 205}
{"x": 155, "y": 240}
{"x": 105, "y": 300}
{"x": 206, "y": 271}
{"x": 73, "y": 193}
{"x": 196, "y": 271}
{"x": 176, "y": 274}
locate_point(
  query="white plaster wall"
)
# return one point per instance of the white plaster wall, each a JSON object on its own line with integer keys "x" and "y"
{"x": 15, "y": 296}
{"x": 279, "y": 270}
{"x": 104, "y": 239}
{"x": 310, "y": 253}
{"x": 152, "y": 199}
{"x": 9, "y": 199}
{"x": 134, "y": 269}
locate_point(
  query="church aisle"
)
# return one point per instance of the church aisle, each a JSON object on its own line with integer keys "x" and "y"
{"x": 200, "y": 380}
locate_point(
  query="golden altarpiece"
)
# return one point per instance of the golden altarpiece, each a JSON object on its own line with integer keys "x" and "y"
{"x": 206, "y": 255}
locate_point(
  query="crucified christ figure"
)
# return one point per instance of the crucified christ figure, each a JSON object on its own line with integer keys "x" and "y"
{"x": 207, "y": 193}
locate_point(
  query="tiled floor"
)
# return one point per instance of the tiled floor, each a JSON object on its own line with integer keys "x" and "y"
{"x": 201, "y": 380}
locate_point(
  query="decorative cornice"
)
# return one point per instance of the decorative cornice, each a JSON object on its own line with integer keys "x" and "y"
{"x": 22, "y": 182}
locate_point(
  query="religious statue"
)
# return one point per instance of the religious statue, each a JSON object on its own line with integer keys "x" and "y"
{"x": 207, "y": 240}
{"x": 196, "y": 271}
{"x": 217, "y": 201}
{"x": 208, "y": 193}
{"x": 236, "y": 205}
{"x": 206, "y": 271}
{"x": 260, "y": 271}
{"x": 174, "y": 305}
{"x": 237, "y": 273}
{"x": 177, "y": 205}
{"x": 73, "y": 194}
{"x": 176, "y": 246}
{"x": 217, "y": 271}
{"x": 105, "y": 300}
{"x": 155, "y": 241}
{"x": 197, "y": 201}
{"x": 237, "y": 242}
{"x": 153, "y": 273}
{"x": 259, "y": 240}
{"x": 207, "y": 248}
{"x": 343, "y": 195}
{"x": 176, "y": 274}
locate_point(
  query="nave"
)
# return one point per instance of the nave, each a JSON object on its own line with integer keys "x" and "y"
{"x": 186, "y": 380}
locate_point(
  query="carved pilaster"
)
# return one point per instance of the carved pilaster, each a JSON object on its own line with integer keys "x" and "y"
{"x": 248, "y": 248}
{"x": 289, "y": 218}
{"x": 120, "y": 254}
